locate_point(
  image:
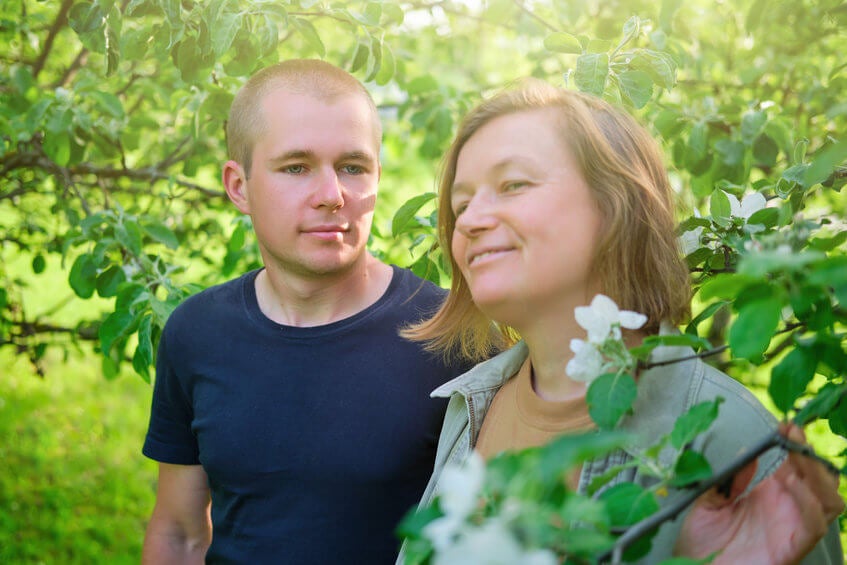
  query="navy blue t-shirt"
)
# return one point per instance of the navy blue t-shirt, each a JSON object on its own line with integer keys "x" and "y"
{"x": 316, "y": 440}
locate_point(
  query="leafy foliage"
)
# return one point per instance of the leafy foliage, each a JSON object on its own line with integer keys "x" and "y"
{"x": 111, "y": 136}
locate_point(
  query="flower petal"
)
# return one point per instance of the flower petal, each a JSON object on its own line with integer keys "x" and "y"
{"x": 751, "y": 204}
{"x": 632, "y": 320}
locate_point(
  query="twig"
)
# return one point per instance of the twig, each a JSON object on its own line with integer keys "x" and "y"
{"x": 57, "y": 26}
{"x": 774, "y": 439}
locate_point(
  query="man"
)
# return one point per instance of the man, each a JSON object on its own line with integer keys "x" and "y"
{"x": 290, "y": 421}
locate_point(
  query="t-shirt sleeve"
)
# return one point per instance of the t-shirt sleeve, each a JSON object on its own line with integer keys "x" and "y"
{"x": 170, "y": 438}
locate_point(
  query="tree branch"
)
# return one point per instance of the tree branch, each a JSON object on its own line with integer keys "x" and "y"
{"x": 58, "y": 24}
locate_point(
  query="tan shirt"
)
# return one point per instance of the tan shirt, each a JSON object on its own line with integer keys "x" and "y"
{"x": 519, "y": 418}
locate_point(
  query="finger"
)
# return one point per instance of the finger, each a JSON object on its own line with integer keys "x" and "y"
{"x": 822, "y": 483}
{"x": 812, "y": 521}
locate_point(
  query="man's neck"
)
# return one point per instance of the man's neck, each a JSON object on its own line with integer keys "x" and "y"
{"x": 306, "y": 301}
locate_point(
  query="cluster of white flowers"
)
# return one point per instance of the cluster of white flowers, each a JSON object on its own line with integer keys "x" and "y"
{"x": 604, "y": 350}
{"x": 743, "y": 209}
{"x": 458, "y": 541}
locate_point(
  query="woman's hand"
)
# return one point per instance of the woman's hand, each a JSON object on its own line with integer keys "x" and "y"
{"x": 777, "y": 523}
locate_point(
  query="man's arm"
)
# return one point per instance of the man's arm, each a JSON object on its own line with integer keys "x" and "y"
{"x": 180, "y": 529}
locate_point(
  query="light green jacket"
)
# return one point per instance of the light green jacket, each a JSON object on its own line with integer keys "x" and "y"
{"x": 664, "y": 393}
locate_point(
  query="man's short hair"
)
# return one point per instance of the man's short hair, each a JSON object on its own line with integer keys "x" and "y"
{"x": 311, "y": 77}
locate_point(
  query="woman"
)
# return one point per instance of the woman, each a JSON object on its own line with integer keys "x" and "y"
{"x": 549, "y": 197}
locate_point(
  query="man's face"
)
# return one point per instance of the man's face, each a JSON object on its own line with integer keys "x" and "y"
{"x": 313, "y": 183}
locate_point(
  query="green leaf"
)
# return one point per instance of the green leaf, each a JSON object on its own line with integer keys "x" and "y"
{"x": 143, "y": 357}
{"x": 310, "y": 34}
{"x": 128, "y": 234}
{"x": 161, "y": 233}
{"x": 830, "y": 271}
{"x": 108, "y": 281}
{"x": 820, "y": 405}
{"x": 38, "y": 264}
{"x": 592, "y": 70}
{"x": 629, "y": 503}
{"x": 407, "y": 211}
{"x": 765, "y": 150}
{"x": 83, "y": 276}
{"x": 386, "y": 67}
{"x": 223, "y": 25}
{"x": 725, "y": 286}
{"x": 57, "y": 146}
{"x": 838, "y": 419}
{"x": 421, "y": 85}
{"x": 116, "y": 327}
{"x": 360, "y": 55}
{"x": 659, "y": 67}
{"x": 561, "y": 42}
{"x": 719, "y": 208}
{"x": 752, "y": 124}
{"x": 609, "y": 398}
{"x": 767, "y": 217}
{"x": 636, "y": 87}
{"x": 108, "y": 102}
{"x": 694, "y": 422}
{"x": 825, "y": 162}
{"x": 791, "y": 377}
{"x": 751, "y": 333}
{"x": 86, "y": 17}
{"x": 690, "y": 468}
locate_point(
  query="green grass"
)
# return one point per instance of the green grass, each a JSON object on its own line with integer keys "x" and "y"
{"x": 74, "y": 487}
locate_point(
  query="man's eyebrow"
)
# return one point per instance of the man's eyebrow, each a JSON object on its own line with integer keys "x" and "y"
{"x": 357, "y": 156}
{"x": 294, "y": 154}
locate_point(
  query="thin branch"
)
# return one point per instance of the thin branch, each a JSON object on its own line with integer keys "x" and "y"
{"x": 58, "y": 24}
{"x": 724, "y": 477}
{"x": 535, "y": 16}
{"x": 78, "y": 62}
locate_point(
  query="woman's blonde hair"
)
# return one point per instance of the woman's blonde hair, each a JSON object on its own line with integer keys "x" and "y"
{"x": 638, "y": 261}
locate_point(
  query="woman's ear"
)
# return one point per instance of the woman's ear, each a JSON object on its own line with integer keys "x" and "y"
{"x": 235, "y": 184}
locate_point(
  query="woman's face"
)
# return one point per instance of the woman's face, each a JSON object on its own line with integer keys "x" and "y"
{"x": 526, "y": 224}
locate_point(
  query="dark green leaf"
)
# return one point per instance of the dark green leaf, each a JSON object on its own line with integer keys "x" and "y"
{"x": 116, "y": 327}
{"x": 821, "y": 404}
{"x": 108, "y": 281}
{"x": 161, "y": 233}
{"x": 825, "y": 163}
{"x": 83, "y": 276}
{"x": 752, "y": 331}
{"x": 38, "y": 264}
{"x": 629, "y": 503}
{"x": 407, "y": 211}
{"x": 609, "y": 398}
{"x": 694, "y": 422}
{"x": 791, "y": 377}
{"x": 690, "y": 468}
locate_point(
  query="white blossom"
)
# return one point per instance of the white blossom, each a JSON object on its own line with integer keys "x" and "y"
{"x": 690, "y": 240}
{"x": 491, "y": 543}
{"x": 460, "y": 486}
{"x": 603, "y": 318}
{"x": 748, "y": 206}
{"x": 587, "y": 362}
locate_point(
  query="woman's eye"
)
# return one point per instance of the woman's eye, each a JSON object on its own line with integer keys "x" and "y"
{"x": 514, "y": 185}
{"x": 459, "y": 208}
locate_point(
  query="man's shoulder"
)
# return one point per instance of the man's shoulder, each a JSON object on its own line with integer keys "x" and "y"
{"x": 413, "y": 287}
{"x": 210, "y": 302}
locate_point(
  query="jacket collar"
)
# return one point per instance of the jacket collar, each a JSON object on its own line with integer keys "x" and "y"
{"x": 488, "y": 375}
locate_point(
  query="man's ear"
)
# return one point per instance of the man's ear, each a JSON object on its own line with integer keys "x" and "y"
{"x": 235, "y": 183}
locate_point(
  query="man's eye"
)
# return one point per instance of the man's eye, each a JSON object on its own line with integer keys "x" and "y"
{"x": 353, "y": 169}
{"x": 294, "y": 169}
